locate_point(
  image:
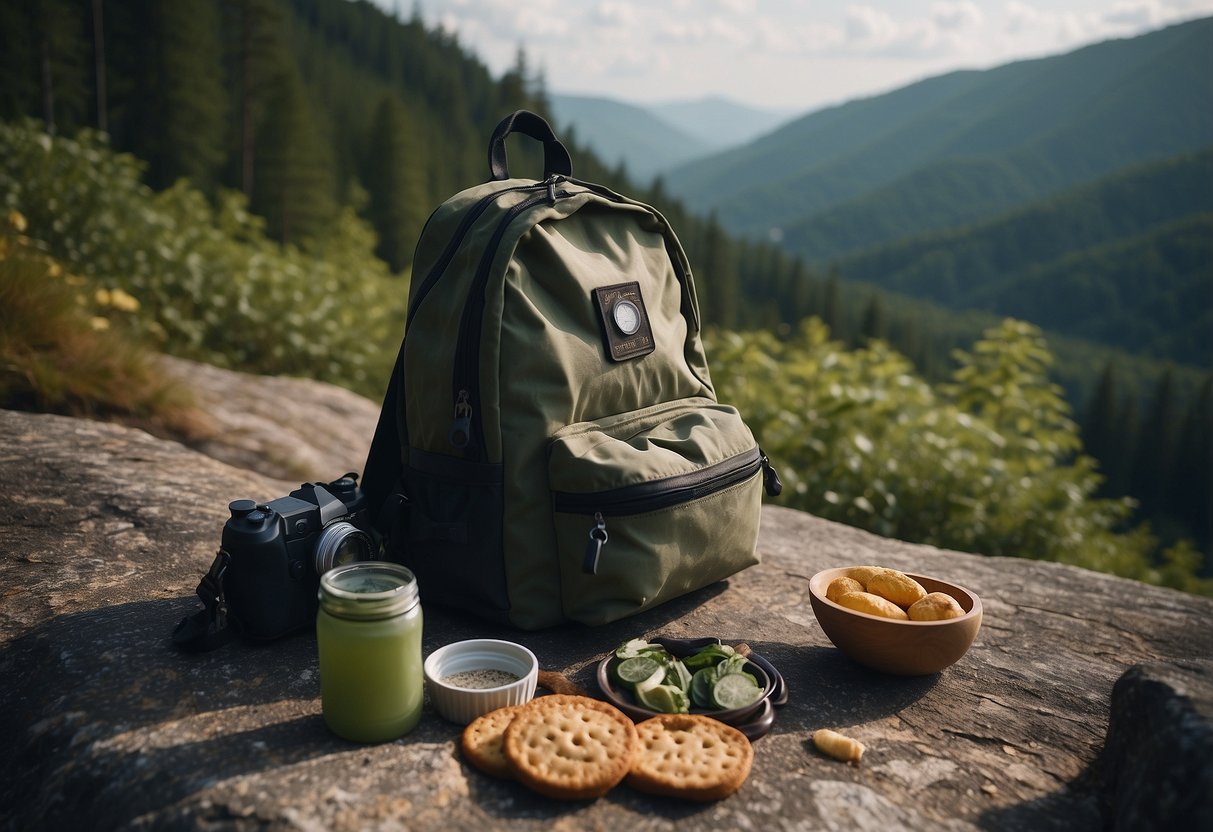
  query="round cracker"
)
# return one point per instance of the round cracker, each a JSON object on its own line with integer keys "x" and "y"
{"x": 483, "y": 739}
{"x": 570, "y": 747}
{"x": 690, "y": 756}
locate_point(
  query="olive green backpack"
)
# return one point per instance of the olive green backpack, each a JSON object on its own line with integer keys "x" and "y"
{"x": 550, "y": 446}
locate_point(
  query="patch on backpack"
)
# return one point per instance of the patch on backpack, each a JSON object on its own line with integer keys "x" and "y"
{"x": 625, "y": 322}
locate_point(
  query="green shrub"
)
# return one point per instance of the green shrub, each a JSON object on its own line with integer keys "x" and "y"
{"x": 987, "y": 462}
{"x": 210, "y": 286}
{"x": 65, "y": 348}
{"x": 984, "y": 463}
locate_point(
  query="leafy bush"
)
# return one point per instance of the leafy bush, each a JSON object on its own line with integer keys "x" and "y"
{"x": 63, "y": 345}
{"x": 209, "y": 285}
{"x": 985, "y": 462}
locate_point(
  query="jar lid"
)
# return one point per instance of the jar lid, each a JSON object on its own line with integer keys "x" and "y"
{"x": 368, "y": 590}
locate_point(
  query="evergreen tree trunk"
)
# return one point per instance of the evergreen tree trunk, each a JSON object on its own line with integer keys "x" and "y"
{"x": 829, "y": 308}
{"x": 1099, "y": 430}
{"x": 99, "y": 66}
{"x": 872, "y": 326}
{"x": 48, "y": 87}
{"x": 247, "y": 101}
{"x": 1153, "y": 464}
{"x": 394, "y": 179}
{"x": 1193, "y": 483}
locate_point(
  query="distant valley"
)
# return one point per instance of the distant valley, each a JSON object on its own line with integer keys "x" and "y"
{"x": 652, "y": 139}
{"x": 1074, "y": 191}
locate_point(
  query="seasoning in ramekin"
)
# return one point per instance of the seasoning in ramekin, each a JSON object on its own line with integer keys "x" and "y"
{"x": 480, "y": 679}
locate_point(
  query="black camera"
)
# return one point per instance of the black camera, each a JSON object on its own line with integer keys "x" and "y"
{"x": 275, "y": 553}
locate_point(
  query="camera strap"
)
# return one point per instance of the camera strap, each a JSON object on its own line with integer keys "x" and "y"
{"x": 207, "y": 628}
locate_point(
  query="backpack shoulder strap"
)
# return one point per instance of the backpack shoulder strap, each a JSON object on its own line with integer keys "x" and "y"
{"x": 383, "y": 473}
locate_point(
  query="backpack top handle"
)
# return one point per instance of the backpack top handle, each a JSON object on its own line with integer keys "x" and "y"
{"x": 556, "y": 159}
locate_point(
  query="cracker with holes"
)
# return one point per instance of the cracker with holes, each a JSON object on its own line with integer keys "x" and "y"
{"x": 482, "y": 742}
{"x": 570, "y": 747}
{"x": 690, "y": 756}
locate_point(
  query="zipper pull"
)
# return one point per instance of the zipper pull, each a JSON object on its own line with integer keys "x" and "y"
{"x": 551, "y": 182}
{"x": 598, "y": 539}
{"x": 770, "y": 477}
{"x": 461, "y": 426}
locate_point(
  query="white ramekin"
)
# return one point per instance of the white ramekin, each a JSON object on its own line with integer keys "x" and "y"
{"x": 462, "y": 705}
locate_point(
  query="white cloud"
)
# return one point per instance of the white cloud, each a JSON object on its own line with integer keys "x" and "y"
{"x": 1061, "y": 28}
{"x": 712, "y": 32}
{"x": 614, "y": 13}
{"x": 869, "y": 27}
{"x": 956, "y": 16}
{"x": 779, "y": 52}
{"x": 739, "y": 7}
{"x": 950, "y": 29}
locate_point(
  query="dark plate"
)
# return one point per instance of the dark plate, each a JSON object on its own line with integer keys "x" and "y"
{"x": 753, "y": 720}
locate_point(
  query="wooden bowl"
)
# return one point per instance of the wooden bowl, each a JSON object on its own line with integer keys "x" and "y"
{"x": 904, "y": 648}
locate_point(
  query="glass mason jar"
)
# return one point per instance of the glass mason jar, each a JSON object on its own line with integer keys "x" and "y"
{"x": 368, "y": 632}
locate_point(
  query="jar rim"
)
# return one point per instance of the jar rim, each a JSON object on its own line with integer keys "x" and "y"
{"x": 346, "y": 602}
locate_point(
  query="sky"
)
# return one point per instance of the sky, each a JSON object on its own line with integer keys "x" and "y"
{"x": 785, "y": 55}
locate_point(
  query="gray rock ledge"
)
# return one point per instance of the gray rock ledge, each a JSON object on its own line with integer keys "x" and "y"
{"x": 105, "y": 531}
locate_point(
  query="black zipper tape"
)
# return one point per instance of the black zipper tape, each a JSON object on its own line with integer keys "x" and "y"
{"x": 452, "y": 246}
{"x": 658, "y": 494}
{"x": 468, "y": 424}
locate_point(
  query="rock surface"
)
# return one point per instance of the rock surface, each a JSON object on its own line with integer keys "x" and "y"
{"x": 288, "y": 428}
{"x": 105, "y": 531}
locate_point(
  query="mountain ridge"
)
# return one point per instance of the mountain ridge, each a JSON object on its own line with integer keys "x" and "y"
{"x": 1068, "y": 117}
{"x": 651, "y": 139}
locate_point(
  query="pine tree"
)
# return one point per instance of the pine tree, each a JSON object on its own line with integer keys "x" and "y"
{"x": 872, "y": 325}
{"x": 1153, "y": 461}
{"x": 188, "y": 94}
{"x": 799, "y": 302}
{"x": 259, "y": 66}
{"x": 1100, "y": 434}
{"x": 719, "y": 284}
{"x": 294, "y": 187}
{"x": 1127, "y": 430}
{"x": 828, "y": 311}
{"x": 393, "y": 177}
{"x": 1193, "y": 484}
{"x": 61, "y": 54}
{"x": 99, "y": 69}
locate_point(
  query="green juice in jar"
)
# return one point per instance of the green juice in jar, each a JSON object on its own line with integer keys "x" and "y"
{"x": 368, "y": 632}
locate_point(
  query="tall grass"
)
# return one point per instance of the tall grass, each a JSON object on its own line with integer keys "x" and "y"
{"x": 65, "y": 348}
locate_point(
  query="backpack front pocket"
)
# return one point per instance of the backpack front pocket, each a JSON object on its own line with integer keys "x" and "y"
{"x": 650, "y": 505}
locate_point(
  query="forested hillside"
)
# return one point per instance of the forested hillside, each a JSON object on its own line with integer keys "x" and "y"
{"x": 964, "y": 146}
{"x": 1126, "y": 261}
{"x": 277, "y": 146}
{"x": 625, "y": 136}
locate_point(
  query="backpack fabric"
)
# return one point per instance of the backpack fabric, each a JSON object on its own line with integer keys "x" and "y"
{"x": 550, "y": 447}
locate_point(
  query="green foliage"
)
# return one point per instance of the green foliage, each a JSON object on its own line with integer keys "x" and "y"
{"x": 299, "y": 132}
{"x": 293, "y": 187}
{"x": 210, "y": 285}
{"x": 1123, "y": 261}
{"x": 967, "y": 145}
{"x": 982, "y": 463}
{"x": 44, "y": 63}
{"x": 396, "y": 183}
{"x": 65, "y": 346}
{"x": 167, "y": 99}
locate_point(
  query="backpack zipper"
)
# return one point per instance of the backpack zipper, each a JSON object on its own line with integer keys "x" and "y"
{"x": 452, "y": 246}
{"x": 464, "y": 429}
{"x": 655, "y": 495}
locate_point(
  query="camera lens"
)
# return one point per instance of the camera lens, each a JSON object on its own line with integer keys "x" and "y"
{"x": 341, "y": 543}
